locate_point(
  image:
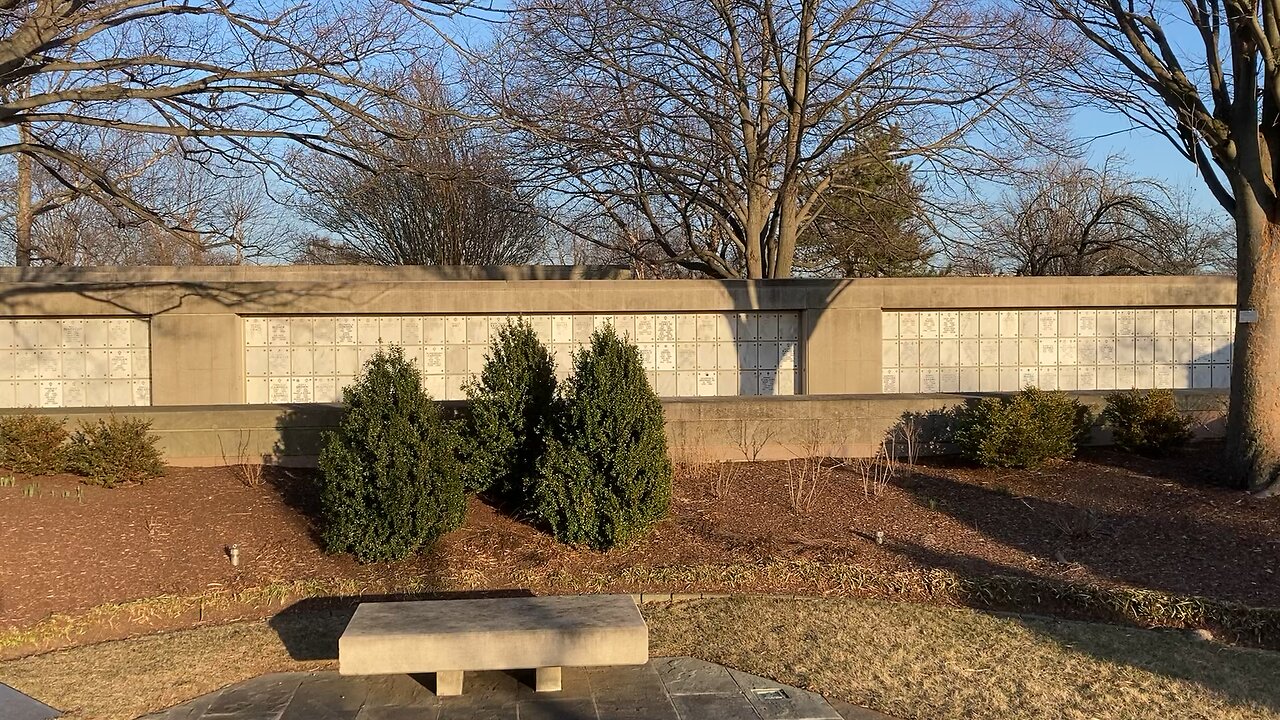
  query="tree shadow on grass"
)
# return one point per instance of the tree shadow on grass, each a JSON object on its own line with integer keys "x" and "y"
{"x": 1241, "y": 676}
{"x": 1119, "y": 537}
{"x": 1172, "y": 653}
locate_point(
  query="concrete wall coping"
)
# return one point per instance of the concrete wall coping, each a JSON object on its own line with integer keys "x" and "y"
{"x": 399, "y": 291}
{"x": 309, "y": 273}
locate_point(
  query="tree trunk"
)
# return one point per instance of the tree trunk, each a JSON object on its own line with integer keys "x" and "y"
{"x": 1253, "y": 425}
{"x": 22, "y": 221}
{"x": 754, "y": 230}
{"x": 788, "y": 233}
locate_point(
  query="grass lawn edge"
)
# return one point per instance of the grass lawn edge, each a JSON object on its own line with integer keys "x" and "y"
{"x": 1229, "y": 622}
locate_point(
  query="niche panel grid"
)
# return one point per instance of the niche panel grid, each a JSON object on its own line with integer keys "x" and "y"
{"x": 75, "y": 362}
{"x": 1057, "y": 349}
{"x": 310, "y": 359}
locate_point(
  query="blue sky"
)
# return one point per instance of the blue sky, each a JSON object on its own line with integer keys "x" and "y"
{"x": 1148, "y": 154}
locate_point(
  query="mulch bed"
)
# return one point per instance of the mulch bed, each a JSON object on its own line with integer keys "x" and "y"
{"x": 1105, "y": 518}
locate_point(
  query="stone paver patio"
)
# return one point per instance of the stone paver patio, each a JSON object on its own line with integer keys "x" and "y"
{"x": 16, "y": 706}
{"x": 664, "y": 689}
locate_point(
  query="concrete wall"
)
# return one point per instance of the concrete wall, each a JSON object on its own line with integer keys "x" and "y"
{"x": 310, "y": 358}
{"x": 698, "y": 430}
{"x": 197, "y": 315}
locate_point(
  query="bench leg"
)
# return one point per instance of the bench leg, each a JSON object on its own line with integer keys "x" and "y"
{"x": 548, "y": 679}
{"x": 448, "y": 683}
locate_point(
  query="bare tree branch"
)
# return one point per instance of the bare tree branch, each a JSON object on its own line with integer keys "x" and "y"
{"x": 711, "y": 125}
{"x": 229, "y": 81}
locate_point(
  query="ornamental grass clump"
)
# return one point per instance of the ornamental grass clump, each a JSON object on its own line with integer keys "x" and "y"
{"x": 390, "y": 479}
{"x": 513, "y": 402}
{"x": 1024, "y": 430}
{"x": 605, "y": 477}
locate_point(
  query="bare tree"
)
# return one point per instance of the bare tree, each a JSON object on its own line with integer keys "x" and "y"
{"x": 438, "y": 194}
{"x": 224, "y": 83}
{"x": 1205, "y": 74}
{"x": 210, "y": 217}
{"x": 1068, "y": 218}
{"x": 709, "y": 128}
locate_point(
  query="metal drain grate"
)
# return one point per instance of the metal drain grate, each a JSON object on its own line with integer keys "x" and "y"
{"x": 770, "y": 693}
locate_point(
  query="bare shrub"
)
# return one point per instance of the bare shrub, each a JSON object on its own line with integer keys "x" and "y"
{"x": 249, "y": 473}
{"x": 723, "y": 476}
{"x": 1208, "y": 413}
{"x": 814, "y": 460}
{"x": 688, "y": 457}
{"x": 906, "y": 438}
{"x": 753, "y": 436}
{"x": 694, "y": 463}
{"x": 247, "y": 468}
{"x": 876, "y": 471}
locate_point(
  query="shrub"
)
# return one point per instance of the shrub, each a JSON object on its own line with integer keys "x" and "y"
{"x": 115, "y": 451}
{"x": 390, "y": 479}
{"x": 511, "y": 406}
{"x": 1022, "y": 430}
{"x": 33, "y": 444}
{"x": 605, "y": 476}
{"x": 1146, "y": 422}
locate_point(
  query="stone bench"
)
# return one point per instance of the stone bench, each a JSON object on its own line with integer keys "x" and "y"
{"x": 449, "y": 637}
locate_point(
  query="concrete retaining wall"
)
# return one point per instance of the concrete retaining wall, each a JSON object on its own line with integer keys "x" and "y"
{"x": 196, "y": 316}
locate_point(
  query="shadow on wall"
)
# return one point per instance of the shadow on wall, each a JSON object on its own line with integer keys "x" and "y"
{"x": 300, "y": 433}
{"x": 300, "y": 430}
{"x": 26, "y": 292}
{"x": 920, "y": 434}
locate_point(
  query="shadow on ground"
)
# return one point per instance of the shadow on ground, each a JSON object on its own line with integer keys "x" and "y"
{"x": 1173, "y": 654}
{"x": 310, "y": 628}
{"x": 1153, "y": 547}
{"x": 1172, "y": 551}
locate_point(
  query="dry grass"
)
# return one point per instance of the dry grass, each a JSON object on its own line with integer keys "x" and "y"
{"x": 1257, "y": 627}
{"x": 128, "y": 678}
{"x": 65, "y": 628}
{"x": 916, "y": 661}
{"x": 913, "y": 661}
